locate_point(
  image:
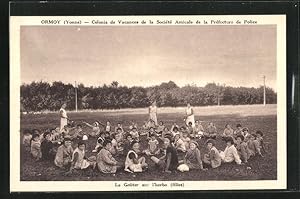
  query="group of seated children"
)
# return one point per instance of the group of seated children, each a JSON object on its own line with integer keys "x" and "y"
{"x": 56, "y": 145}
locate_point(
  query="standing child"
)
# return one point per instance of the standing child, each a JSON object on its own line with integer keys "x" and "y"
{"x": 152, "y": 146}
{"x": 242, "y": 148}
{"x": 213, "y": 158}
{"x": 230, "y": 153}
{"x": 35, "y": 147}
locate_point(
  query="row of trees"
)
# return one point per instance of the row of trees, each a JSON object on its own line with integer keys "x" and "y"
{"x": 39, "y": 96}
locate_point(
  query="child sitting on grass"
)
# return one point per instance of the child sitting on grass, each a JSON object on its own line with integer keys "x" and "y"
{"x": 108, "y": 127}
{"x": 192, "y": 158}
{"x": 118, "y": 136}
{"x": 135, "y": 134}
{"x": 211, "y": 131}
{"x": 64, "y": 154}
{"x": 134, "y": 163}
{"x": 228, "y": 132}
{"x": 168, "y": 162}
{"x": 27, "y": 136}
{"x": 95, "y": 128}
{"x": 127, "y": 143}
{"x": 185, "y": 138}
{"x": 105, "y": 161}
{"x": 238, "y": 131}
{"x": 79, "y": 160}
{"x": 152, "y": 146}
{"x": 173, "y": 126}
{"x": 35, "y": 147}
{"x": 77, "y": 133}
{"x": 260, "y": 139}
{"x": 242, "y": 148}
{"x": 100, "y": 141}
{"x": 179, "y": 144}
{"x": 198, "y": 129}
{"x": 165, "y": 133}
{"x": 47, "y": 147}
{"x": 190, "y": 130}
{"x": 245, "y": 132}
{"x": 175, "y": 131}
{"x": 230, "y": 153}
{"x": 213, "y": 158}
{"x": 119, "y": 126}
{"x": 56, "y": 136}
{"x": 160, "y": 128}
{"x": 253, "y": 146}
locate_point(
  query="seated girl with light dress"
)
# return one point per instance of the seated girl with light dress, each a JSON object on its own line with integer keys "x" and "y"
{"x": 153, "y": 148}
{"x": 179, "y": 144}
{"x": 79, "y": 160}
{"x": 27, "y": 136}
{"x": 133, "y": 162}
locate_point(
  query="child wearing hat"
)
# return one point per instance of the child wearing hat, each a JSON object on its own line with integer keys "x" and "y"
{"x": 213, "y": 158}
{"x": 193, "y": 157}
{"x": 230, "y": 153}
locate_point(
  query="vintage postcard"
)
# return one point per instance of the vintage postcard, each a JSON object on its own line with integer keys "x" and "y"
{"x": 147, "y": 103}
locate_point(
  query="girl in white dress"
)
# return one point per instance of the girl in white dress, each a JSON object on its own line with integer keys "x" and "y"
{"x": 190, "y": 115}
{"x": 133, "y": 162}
{"x": 153, "y": 113}
{"x": 63, "y": 117}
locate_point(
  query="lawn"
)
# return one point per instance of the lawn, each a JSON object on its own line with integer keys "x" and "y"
{"x": 255, "y": 117}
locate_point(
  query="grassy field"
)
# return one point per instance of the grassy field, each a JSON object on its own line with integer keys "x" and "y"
{"x": 255, "y": 117}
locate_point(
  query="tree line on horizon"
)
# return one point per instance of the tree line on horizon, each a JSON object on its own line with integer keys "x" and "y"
{"x": 41, "y": 96}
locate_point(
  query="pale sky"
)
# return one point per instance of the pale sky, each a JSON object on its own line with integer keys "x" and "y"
{"x": 150, "y": 55}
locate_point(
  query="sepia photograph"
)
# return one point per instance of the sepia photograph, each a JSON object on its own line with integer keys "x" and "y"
{"x": 153, "y": 103}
